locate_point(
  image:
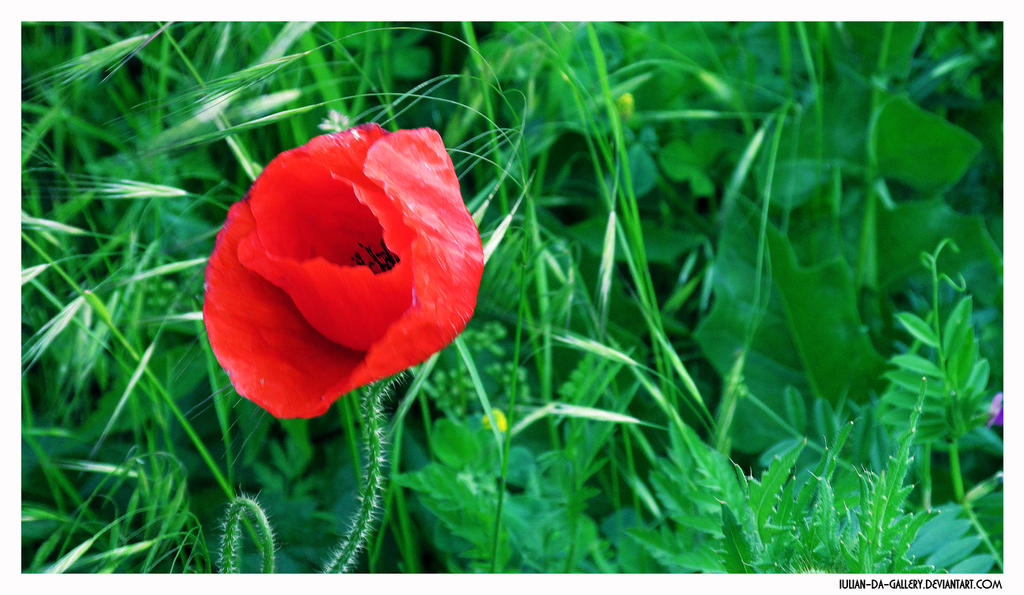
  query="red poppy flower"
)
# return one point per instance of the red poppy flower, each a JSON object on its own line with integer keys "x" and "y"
{"x": 350, "y": 259}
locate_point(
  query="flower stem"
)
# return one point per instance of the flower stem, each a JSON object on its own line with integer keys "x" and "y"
{"x": 926, "y": 476}
{"x": 496, "y": 537}
{"x": 954, "y": 470}
{"x": 344, "y": 556}
{"x": 231, "y": 543}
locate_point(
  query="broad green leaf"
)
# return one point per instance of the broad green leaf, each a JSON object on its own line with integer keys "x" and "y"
{"x": 642, "y": 169}
{"x": 909, "y": 229}
{"x": 454, "y": 444}
{"x": 919, "y": 148}
{"x": 772, "y": 362}
{"x": 796, "y": 180}
{"x": 682, "y": 163}
{"x": 821, "y": 308}
{"x": 865, "y": 39}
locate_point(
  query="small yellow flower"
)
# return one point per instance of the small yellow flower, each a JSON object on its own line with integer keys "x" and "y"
{"x": 499, "y": 418}
{"x": 625, "y": 104}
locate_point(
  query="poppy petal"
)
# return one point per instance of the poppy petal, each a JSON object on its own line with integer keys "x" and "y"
{"x": 313, "y": 233}
{"x": 350, "y": 305}
{"x": 418, "y": 190}
{"x": 272, "y": 355}
{"x": 303, "y": 201}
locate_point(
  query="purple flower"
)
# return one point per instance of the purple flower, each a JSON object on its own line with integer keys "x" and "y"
{"x": 995, "y": 411}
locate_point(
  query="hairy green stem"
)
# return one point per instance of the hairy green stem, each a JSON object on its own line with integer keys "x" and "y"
{"x": 231, "y": 542}
{"x": 344, "y": 556}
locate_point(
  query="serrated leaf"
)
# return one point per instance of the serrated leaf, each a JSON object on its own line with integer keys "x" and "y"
{"x": 675, "y": 551}
{"x": 825, "y": 523}
{"x": 902, "y": 545}
{"x": 831, "y": 457}
{"x": 909, "y": 382}
{"x": 773, "y": 480}
{"x": 738, "y": 554}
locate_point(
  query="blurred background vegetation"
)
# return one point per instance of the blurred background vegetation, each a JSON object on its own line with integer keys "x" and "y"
{"x": 715, "y": 245}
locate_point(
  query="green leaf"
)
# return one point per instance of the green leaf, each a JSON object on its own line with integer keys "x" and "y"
{"x": 454, "y": 444}
{"x": 944, "y": 527}
{"x": 771, "y": 359}
{"x": 919, "y": 148}
{"x": 865, "y": 40}
{"x": 773, "y": 480}
{"x": 796, "y": 409}
{"x": 918, "y": 328}
{"x": 675, "y": 158}
{"x": 738, "y": 554}
{"x": 676, "y": 551}
{"x": 911, "y": 228}
{"x": 902, "y": 545}
{"x": 821, "y": 307}
{"x": 954, "y": 551}
{"x": 796, "y": 180}
{"x": 978, "y": 379}
{"x": 825, "y": 521}
{"x": 957, "y": 325}
{"x": 917, "y": 364}
{"x": 642, "y": 169}
{"x": 681, "y": 163}
{"x": 960, "y": 347}
{"x": 976, "y": 564}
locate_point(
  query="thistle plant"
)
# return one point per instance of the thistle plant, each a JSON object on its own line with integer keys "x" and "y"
{"x": 788, "y": 520}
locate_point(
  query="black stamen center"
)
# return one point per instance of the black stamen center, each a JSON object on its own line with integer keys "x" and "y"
{"x": 379, "y": 260}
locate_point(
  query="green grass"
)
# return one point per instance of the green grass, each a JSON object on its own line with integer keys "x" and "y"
{"x": 720, "y": 259}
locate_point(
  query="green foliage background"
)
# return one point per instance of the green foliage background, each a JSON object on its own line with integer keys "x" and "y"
{"x": 722, "y": 258}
